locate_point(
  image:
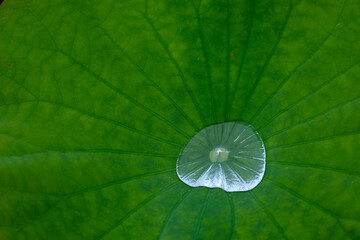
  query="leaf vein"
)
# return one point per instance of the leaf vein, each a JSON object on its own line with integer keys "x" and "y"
{"x": 269, "y": 216}
{"x": 296, "y": 69}
{"x": 254, "y": 86}
{"x": 177, "y": 66}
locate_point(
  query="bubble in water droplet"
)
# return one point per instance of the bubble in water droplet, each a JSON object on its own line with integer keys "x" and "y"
{"x": 228, "y": 155}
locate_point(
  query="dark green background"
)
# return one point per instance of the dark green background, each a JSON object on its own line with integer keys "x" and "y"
{"x": 97, "y": 98}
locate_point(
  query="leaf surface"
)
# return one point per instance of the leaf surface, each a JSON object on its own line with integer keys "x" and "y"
{"x": 98, "y": 98}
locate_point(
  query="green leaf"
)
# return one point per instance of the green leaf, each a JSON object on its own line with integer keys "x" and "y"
{"x": 98, "y": 98}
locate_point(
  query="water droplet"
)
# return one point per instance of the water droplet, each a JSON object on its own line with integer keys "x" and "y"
{"x": 228, "y": 155}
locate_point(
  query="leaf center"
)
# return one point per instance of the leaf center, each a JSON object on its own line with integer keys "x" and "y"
{"x": 218, "y": 155}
